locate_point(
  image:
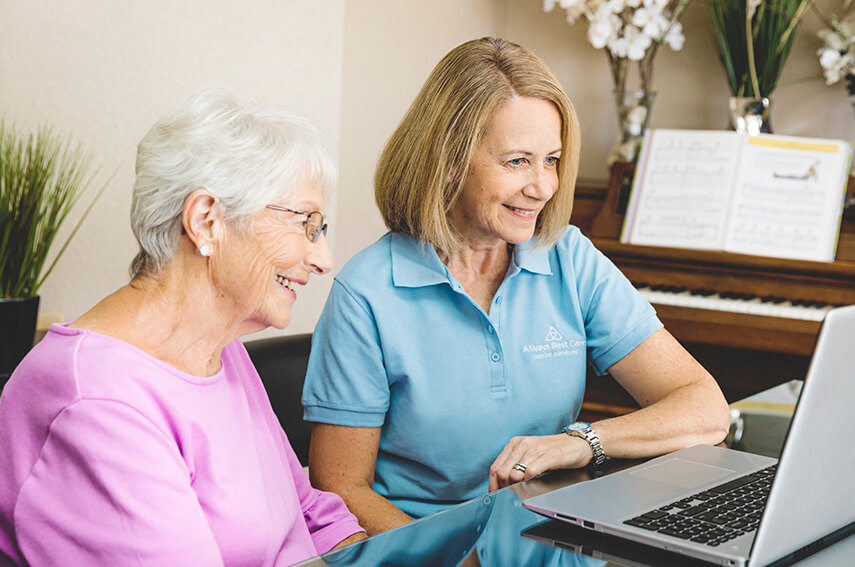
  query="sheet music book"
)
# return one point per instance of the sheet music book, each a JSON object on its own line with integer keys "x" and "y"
{"x": 767, "y": 195}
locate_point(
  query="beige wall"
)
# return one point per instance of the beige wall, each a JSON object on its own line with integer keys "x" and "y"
{"x": 104, "y": 71}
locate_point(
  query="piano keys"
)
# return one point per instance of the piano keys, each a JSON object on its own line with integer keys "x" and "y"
{"x": 733, "y": 302}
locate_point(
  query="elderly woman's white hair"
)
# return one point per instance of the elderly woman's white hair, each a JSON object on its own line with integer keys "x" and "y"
{"x": 247, "y": 154}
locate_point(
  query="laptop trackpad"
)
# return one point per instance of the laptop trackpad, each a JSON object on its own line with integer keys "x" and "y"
{"x": 681, "y": 472}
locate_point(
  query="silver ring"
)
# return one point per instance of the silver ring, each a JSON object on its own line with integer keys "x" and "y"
{"x": 520, "y": 467}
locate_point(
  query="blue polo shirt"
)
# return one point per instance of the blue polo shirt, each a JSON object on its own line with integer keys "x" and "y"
{"x": 400, "y": 345}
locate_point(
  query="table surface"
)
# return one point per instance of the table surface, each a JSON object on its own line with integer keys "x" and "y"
{"x": 496, "y": 530}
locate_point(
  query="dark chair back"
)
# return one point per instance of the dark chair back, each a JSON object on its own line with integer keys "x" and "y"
{"x": 281, "y": 362}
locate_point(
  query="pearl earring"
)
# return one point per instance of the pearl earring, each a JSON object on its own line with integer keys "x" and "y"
{"x": 205, "y": 250}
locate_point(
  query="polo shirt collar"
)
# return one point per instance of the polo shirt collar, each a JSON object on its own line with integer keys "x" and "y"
{"x": 535, "y": 261}
{"x": 416, "y": 265}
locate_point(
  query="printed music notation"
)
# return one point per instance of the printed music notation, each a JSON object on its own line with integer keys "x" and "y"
{"x": 764, "y": 195}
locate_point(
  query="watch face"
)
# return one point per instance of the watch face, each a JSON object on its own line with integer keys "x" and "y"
{"x": 578, "y": 426}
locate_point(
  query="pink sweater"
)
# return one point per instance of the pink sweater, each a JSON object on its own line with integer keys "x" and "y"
{"x": 109, "y": 456}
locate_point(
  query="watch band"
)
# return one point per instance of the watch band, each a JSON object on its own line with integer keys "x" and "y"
{"x": 585, "y": 431}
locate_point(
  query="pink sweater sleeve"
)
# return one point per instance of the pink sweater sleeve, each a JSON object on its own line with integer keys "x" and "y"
{"x": 109, "y": 489}
{"x": 327, "y": 517}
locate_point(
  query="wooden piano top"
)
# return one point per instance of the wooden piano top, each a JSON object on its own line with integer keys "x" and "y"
{"x": 826, "y": 282}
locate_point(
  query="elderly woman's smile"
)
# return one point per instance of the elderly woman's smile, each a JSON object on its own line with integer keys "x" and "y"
{"x": 278, "y": 245}
{"x": 288, "y": 284}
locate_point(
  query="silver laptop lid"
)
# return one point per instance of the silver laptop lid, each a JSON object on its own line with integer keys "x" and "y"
{"x": 813, "y": 491}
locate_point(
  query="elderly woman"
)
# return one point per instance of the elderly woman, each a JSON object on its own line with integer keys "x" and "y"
{"x": 140, "y": 433}
{"x": 452, "y": 352}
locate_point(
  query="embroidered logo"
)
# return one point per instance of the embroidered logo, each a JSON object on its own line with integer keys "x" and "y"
{"x": 554, "y": 346}
{"x": 553, "y": 335}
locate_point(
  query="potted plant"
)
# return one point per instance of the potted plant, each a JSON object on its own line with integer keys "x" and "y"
{"x": 754, "y": 39}
{"x": 41, "y": 179}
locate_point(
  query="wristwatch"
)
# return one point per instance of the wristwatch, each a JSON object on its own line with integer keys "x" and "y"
{"x": 583, "y": 429}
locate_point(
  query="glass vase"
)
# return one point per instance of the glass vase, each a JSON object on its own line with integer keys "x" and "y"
{"x": 633, "y": 109}
{"x": 749, "y": 115}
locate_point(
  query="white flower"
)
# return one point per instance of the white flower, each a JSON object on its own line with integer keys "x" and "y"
{"x": 619, "y": 46}
{"x": 656, "y": 4}
{"x": 574, "y": 12}
{"x": 847, "y": 27}
{"x": 828, "y": 58}
{"x": 651, "y": 21}
{"x": 840, "y": 67}
{"x": 615, "y": 6}
{"x": 602, "y": 28}
{"x": 549, "y": 5}
{"x": 632, "y": 3}
{"x": 675, "y": 38}
{"x": 638, "y": 43}
{"x": 832, "y": 39}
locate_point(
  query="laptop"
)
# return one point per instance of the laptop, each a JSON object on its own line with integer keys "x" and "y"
{"x": 733, "y": 508}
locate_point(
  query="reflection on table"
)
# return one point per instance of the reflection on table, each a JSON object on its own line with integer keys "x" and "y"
{"x": 495, "y": 530}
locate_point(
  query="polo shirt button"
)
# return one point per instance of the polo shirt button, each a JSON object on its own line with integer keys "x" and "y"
{"x": 499, "y": 300}
{"x": 495, "y": 357}
{"x": 490, "y": 330}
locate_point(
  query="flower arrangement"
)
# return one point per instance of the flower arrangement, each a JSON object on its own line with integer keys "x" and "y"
{"x": 837, "y": 55}
{"x": 630, "y": 31}
{"x": 754, "y": 39}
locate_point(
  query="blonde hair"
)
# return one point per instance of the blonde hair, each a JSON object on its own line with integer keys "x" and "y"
{"x": 424, "y": 164}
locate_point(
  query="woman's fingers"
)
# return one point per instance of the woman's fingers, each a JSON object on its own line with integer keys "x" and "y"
{"x": 527, "y": 457}
{"x": 518, "y": 460}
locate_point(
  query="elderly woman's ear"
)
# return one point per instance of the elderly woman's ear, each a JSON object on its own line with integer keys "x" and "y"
{"x": 202, "y": 220}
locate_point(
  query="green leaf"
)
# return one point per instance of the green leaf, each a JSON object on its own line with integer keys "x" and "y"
{"x": 42, "y": 177}
{"x": 773, "y": 28}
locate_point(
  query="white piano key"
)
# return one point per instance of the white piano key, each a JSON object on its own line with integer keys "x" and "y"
{"x": 753, "y": 306}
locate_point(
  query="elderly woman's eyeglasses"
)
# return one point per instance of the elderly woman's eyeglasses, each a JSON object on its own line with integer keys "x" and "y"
{"x": 314, "y": 222}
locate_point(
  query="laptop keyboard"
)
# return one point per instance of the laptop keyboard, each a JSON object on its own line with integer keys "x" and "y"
{"x": 713, "y": 516}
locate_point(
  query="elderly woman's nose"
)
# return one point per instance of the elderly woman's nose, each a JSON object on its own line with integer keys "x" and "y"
{"x": 318, "y": 257}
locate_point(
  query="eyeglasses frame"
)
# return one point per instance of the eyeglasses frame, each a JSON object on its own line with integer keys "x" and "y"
{"x": 309, "y": 230}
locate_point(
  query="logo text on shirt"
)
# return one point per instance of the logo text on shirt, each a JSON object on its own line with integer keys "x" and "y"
{"x": 554, "y": 346}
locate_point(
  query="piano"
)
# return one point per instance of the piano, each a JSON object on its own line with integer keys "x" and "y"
{"x": 751, "y": 321}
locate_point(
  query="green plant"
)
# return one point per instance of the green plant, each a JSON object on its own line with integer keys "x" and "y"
{"x": 754, "y": 39}
{"x": 41, "y": 179}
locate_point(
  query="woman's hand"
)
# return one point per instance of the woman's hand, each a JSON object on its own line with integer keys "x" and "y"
{"x": 538, "y": 454}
